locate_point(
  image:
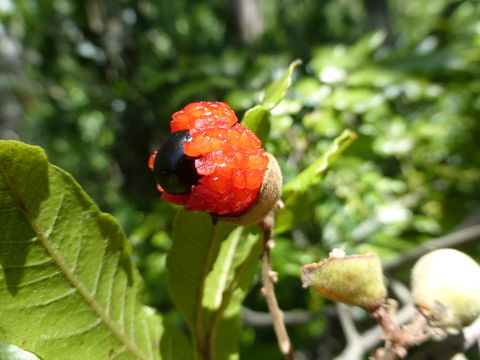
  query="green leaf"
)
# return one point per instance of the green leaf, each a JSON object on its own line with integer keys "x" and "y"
{"x": 175, "y": 344}
{"x": 365, "y": 46}
{"x": 317, "y": 171}
{"x": 294, "y": 192}
{"x": 256, "y": 118}
{"x": 296, "y": 208}
{"x": 220, "y": 276}
{"x": 233, "y": 273}
{"x": 332, "y": 64}
{"x": 67, "y": 281}
{"x": 195, "y": 247}
{"x": 277, "y": 90}
{"x": 210, "y": 271}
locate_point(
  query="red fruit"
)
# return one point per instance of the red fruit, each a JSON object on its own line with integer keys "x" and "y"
{"x": 203, "y": 114}
{"x": 228, "y": 160}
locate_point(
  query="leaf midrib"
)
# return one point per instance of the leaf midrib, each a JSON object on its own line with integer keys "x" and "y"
{"x": 227, "y": 294}
{"x": 90, "y": 300}
{"x": 198, "y": 319}
{"x": 222, "y": 282}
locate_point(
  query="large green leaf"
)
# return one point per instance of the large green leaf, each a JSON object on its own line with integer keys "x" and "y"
{"x": 229, "y": 282}
{"x": 68, "y": 287}
{"x": 210, "y": 270}
{"x": 295, "y": 192}
{"x": 256, "y": 118}
{"x": 195, "y": 247}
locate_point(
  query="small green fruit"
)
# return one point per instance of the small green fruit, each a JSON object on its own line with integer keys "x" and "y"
{"x": 355, "y": 280}
{"x": 446, "y": 287}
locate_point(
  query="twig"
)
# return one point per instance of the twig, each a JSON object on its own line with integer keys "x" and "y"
{"x": 268, "y": 291}
{"x": 443, "y": 349}
{"x": 454, "y": 239}
{"x": 372, "y": 337}
{"x": 399, "y": 339}
{"x": 257, "y": 319}
{"x": 354, "y": 340}
{"x": 401, "y": 291}
{"x": 348, "y": 325}
{"x": 471, "y": 334}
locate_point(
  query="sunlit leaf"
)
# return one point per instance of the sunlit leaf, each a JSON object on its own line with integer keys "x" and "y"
{"x": 195, "y": 247}
{"x": 277, "y": 90}
{"x": 296, "y": 207}
{"x": 225, "y": 328}
{"x": 220, "y": 276}
{"x": 355, "y": 100}
{"x": 293, "y": 192}
{"x": 316, "y": 171}
{"x": 256, "y": 117}
{"x": 332, "y": 64}
{"x": 364, "y": 47}
{"x": 211, "y": 267}
{"x": 67, "y": 278}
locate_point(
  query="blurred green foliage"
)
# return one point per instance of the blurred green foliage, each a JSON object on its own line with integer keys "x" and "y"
{"x": 95, "y": 83}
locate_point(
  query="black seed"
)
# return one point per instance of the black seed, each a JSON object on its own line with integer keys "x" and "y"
{"x": 174, "y": 171}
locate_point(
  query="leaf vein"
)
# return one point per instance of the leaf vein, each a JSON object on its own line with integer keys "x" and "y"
{"x": 90, "y": 327}
{"x": 19, "y": 286}
{"x": 80, "y": 247}
{"x": 133, "y": 327}
{"x": 48, "y": 233}
{"x": 24, "y": 266}
{"x": 46, "y": 303}
{"x": 121, "y": 317}
{"x": 99, "y": 274}
{"x": 77, "y": 284}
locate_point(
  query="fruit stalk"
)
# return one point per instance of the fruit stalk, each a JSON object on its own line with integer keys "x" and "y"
{"x": 400, "y": 339}
{"x": 268, "y": 290}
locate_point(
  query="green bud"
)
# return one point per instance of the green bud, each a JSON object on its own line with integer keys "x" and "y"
{"x": 355, "y": 280}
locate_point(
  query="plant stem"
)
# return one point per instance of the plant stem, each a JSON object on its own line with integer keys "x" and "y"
{"x": 268, "y": 291}
{"x": 400, "y": 339}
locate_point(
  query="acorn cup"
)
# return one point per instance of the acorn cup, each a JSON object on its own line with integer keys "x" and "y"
{"x": 446, "y": 288}
{"x": 210, "y": 162}
{"x": 355, "y": 280}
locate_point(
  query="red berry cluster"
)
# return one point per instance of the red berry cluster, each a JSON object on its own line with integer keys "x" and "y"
{"x": 228, "y": 159}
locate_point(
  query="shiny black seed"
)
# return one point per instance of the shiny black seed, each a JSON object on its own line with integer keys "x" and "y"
{"x": 174, "y": 171}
